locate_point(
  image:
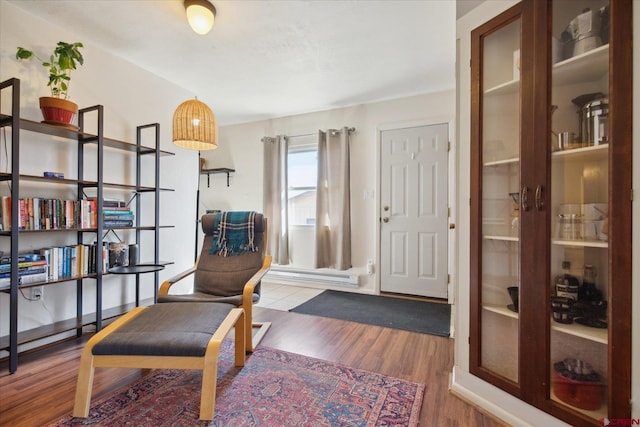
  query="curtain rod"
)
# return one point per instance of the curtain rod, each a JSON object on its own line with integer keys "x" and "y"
{"x": 351, "y": 129}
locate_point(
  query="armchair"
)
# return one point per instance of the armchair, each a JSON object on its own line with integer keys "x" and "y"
{"x": 227, "y": 279}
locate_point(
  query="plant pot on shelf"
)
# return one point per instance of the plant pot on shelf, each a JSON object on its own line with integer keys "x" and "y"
{"x": 58, "y": 111}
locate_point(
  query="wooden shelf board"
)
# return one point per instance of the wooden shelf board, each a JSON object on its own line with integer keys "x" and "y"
{"x": 216, "y": 170}
{"x": 51, "y": 130}
{"x": 68, "y": 325}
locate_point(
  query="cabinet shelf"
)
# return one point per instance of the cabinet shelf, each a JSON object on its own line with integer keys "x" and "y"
{"x": 511, "y": 86}
{"x": 597, "y": 414}
{"x": 586, "y": 67}
{"x": 577, "y": 330}
{"x": 593, "y": 152}
{"x": 514, "y": 161}
{"x": 581, "y": 243}
{"x": 501, "y": 238}
{"x": 499, "y": 309}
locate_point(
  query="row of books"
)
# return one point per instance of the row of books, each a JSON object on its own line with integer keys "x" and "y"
{"x": 55, "y": 263}
{"x": 56, "y": 214}
{"x": 31, "y": 268}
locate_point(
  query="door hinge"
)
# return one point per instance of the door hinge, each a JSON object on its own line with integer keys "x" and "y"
{"x": 632, "y": 194}
{"x": 448, "y": 212}
{"x": 448, "y": 145}
{"x": 448, "y": 278}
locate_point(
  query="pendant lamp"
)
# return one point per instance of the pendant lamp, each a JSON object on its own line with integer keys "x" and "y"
{"x": 200, "y": 14}
{"x": 195, "y": 126}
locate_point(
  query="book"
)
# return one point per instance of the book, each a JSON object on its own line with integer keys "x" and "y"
{"x": 7, "y": 267}
{"x": 25, "y": 272}
{"x": 115, "y": 223}
{"x": 111, "y": 217}
{"x": 6, "y": 212}
{"x": 5, "y": 282}
{"x": 21, "y": 258}
{"x": 110, "y": 203}
{"x": 117, "y": 211}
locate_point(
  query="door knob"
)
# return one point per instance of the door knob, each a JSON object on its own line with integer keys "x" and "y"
{"x": 385, "y": 219}
{"x": 386, "y": 208}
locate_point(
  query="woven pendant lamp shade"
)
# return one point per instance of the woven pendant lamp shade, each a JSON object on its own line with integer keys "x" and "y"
{"x": 195, "y": 126}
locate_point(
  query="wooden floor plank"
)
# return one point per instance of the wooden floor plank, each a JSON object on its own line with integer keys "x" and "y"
{"x": 43, "y": 388}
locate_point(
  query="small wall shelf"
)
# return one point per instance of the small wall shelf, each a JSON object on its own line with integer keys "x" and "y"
{"x": 214, "y": 171}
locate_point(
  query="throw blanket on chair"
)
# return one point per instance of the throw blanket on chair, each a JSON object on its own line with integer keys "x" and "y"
{"x": 234, "y": 233}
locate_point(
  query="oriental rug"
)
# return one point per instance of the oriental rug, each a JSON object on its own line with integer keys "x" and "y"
{"x": 274, "y": 389}
{"x": 426, "y": 317}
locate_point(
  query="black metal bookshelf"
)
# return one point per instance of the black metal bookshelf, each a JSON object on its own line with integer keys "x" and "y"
{"x": 19, "y": 125}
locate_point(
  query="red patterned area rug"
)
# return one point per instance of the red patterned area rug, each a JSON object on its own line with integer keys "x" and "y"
{"x": 274, "y": 389}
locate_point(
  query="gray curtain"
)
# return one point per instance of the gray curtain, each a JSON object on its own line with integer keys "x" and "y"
{"x": 275, "y": 197}
{"x": 333, "y": 210}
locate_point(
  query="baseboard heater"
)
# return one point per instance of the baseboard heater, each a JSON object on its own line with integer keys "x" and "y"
{"x": 312, "y": 276}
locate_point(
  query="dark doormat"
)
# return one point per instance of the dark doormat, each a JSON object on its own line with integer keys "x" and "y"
{"x": 410, "y": 315}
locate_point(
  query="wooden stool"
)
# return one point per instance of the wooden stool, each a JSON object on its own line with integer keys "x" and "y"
{"x": 166, "y": 336}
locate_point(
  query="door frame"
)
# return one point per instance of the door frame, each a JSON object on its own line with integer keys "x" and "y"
{"x": 452, "y": 236}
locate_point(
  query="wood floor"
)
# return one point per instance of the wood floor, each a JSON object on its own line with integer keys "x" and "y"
{"x": 42, "y": 390}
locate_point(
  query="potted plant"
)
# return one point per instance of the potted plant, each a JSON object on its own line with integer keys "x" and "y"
{"x": 57, "y": 109}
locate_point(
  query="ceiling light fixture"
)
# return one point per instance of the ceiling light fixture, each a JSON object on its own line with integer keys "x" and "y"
{"x": 195, "y": 126}
{"x": 200, "y": 14}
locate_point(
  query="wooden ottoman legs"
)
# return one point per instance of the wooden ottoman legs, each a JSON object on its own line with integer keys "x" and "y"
{"x": 208, "y": 364}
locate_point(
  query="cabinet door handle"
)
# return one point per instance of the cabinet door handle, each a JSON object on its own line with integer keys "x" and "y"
{"x": 523, "y": 199}
{"x": 539, "y": 202}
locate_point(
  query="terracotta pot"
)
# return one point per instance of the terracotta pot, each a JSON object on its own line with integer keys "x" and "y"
{"x": 58, "y": 111}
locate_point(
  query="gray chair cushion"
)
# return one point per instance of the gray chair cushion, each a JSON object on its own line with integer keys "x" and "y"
{"x": 174, "y": 329}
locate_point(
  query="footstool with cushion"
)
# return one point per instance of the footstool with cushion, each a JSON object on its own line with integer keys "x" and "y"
{"x": 167, "y": 336}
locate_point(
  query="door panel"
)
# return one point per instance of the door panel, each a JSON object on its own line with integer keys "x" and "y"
{"x": 414, "y": 211}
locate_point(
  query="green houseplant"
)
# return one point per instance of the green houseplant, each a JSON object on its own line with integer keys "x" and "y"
{"x": 57, "y": 109}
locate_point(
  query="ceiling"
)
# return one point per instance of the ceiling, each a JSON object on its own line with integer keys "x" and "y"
{"x": 266, "y": 59}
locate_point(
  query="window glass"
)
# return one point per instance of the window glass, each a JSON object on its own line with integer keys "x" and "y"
{"x": 302, "y": 176}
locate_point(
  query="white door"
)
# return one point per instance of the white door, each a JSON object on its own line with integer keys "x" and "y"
{"x": 414, "y": 212}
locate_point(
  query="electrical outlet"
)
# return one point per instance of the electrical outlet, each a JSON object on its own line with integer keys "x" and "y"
{"x": 37, "y": 293}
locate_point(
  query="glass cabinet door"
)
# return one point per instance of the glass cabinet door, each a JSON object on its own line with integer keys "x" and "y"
{"x": 498, "y": 205}
{"x": 579, "y": 147}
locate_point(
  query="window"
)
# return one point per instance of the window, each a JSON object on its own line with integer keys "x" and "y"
{"x": 302, "y": 174}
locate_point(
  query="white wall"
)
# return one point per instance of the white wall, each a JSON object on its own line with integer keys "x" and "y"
{"x": 240, "y": 148}
{"x": 480, "y": 392}
{"x": 131, "y": 97}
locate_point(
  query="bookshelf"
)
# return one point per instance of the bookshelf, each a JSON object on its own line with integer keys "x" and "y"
{"x": 89, "y": 146}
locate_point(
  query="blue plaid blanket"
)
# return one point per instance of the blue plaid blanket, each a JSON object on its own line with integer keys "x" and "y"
{"x": 234, "y": 233}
